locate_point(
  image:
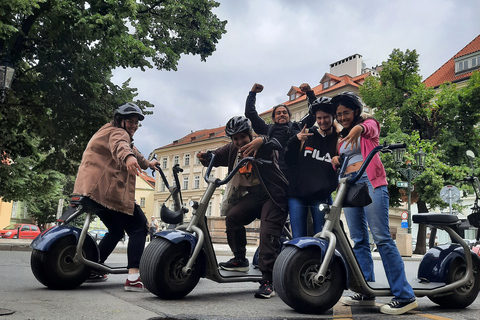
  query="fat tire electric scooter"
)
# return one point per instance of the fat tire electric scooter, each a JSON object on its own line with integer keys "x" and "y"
{"x": 311, "y": 273}
{"x": 175, "y": 260}
{"x": 64, "y": 256}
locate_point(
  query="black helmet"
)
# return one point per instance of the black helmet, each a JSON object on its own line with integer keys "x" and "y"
{"x": 129, "y": 108}
{"x": 349, "y": 100}
{"x": 236, "y": 125}
{"x": 322, "y": 104}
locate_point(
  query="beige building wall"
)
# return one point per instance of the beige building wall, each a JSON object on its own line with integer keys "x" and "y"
{"x": 191, "y": 179}
{"x": 5, "y": 213}
{"x": 144, "y": 195}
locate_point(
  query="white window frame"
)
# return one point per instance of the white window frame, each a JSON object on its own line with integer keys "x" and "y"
{"x": 196, "y": 182}
{"x": 187, "y": 159}
{"x": 185, "y": 183}
{"x": 176, "y": 160}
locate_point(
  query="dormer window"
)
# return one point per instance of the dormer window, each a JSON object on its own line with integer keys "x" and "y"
{"x": 293, "y": 96}
{"x": 467, "y": 63}
{"x": 326, "y": 84}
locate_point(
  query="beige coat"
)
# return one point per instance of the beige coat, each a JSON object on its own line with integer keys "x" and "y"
{"x": 103, "y": 175}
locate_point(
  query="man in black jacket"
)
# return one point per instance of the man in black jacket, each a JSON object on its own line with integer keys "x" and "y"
{"x": 265, "y": 199}
{"x": 282, "y": 128}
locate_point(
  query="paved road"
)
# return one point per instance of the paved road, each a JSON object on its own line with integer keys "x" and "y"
{"x": 22, "y": 294}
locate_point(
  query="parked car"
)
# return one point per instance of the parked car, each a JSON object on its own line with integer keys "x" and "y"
{"x": 97, "y": 234}
{"x": 27, "y": 231}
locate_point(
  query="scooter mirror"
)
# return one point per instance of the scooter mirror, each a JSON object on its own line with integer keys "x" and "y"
{"x": 470, "y": 154}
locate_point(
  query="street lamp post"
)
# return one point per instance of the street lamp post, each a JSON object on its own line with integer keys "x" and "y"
{"x": 6, "y": 77}
{"x": 410, "y": 174}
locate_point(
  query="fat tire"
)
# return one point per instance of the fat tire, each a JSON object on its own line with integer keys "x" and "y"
{"x": 56, "y": 268}
{"x": 161, "y": 269}
{"x": 292, "y": 272}
{"x": 464, "y": 296}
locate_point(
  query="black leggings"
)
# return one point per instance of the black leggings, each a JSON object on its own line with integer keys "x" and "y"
{"x": 118, "y": 223}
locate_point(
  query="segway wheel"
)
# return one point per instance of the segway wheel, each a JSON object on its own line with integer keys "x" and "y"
{"x": 293, "y": 280}
{"x": 161, "y": 269}
{"x": 56, "y": 268}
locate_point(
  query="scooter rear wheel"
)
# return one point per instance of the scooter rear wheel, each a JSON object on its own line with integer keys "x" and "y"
{"x": 293, "y": 280}
{"x": 464, "y": 296}
{"x": 161, "y": 269}
{"x": 57, "y": 269}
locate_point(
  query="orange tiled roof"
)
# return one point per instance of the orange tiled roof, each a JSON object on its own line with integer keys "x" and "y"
{"x": 447, "y": 71}
{"x": 149, "y": 180}
{"x": 341, "y": 81}
{"x": 199, "y": 135}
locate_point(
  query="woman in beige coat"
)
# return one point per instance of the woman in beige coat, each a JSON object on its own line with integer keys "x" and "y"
{"x": 107, "y": 175}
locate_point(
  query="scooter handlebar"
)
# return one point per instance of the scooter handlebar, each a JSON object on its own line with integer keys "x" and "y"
{"x": 240, "y": 164}
{"x": 381, "y": 148}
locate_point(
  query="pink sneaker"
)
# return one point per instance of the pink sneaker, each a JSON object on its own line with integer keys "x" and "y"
{"x": 135, "y": 286}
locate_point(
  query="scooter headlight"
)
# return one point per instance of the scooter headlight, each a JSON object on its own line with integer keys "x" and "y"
{"x": 323, "y": 207}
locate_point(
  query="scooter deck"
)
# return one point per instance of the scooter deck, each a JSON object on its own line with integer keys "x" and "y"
{"x": 415, "y": 283}
{"x": 252, "y": 271}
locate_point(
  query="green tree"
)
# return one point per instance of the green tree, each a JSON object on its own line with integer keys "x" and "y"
{"x": 443, "y": 126}
{"x": 64, "y": 53}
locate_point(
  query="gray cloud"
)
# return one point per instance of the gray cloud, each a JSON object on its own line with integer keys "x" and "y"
{"x": 281, "y": 43}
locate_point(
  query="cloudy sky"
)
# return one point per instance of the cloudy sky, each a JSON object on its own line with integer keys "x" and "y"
{"x": 283, "y": 43}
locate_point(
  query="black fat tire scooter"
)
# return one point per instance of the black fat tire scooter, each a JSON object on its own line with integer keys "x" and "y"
{"x": 311, "y": 273}
{"x": 175, "y": 260}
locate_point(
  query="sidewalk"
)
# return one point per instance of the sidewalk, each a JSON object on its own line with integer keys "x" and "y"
{"x": 220, "y": 249}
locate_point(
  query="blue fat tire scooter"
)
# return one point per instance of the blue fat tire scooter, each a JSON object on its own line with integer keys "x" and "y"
{"x": 64, "y": 256}
{"x": 175, "y": 260}
{"x": 311, "y": 273}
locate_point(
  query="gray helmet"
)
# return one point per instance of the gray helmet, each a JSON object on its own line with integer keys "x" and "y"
{"x": 349, "y": 100}
{"x": 238, "y": 124}
{"x": 127, "y": 109}
{"x": 322, "y": 104}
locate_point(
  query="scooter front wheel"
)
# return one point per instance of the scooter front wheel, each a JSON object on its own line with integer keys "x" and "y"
{"x": 293, "y": 278}
{"x": 463, "y": 296}
{"x": 57, "y": 268}
{"x": 161, "y": 269}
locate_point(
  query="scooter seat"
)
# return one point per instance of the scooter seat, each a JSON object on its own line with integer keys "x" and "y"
{"x": 436, "y": 218}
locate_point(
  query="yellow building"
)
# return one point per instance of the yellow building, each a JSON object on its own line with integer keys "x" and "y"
{"x": 5, "y": 213}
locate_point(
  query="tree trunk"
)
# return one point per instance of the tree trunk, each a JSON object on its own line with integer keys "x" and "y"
{"x": 421, "y": 246}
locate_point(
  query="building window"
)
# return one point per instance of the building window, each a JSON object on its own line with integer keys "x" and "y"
{"x": 176, "y": 160}
{"x": 142, "y": 202}
{"x": 164, "y": 163}
{"x": 465, "y": 65}
{"x": 162, "y": 187}
{"x": 187, "y": 159}
{"x": 185, "y": 183}
{"x": 474, "y": 62}
{"x": 326, "y": 84}
{"x": 292, "y": 96}
{"x": 196, "y": 182}
{"x": 197, "y": 160}
{"x": 209, "y": 209}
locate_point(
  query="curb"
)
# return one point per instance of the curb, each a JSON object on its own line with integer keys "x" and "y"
{"x": 220, "y": 249}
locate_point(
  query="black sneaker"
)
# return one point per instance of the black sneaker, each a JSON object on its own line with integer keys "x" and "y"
{"x": 235, "y": 264}
{"x": 95, "y": 277}
{"x": 398, "y": 307}
{"x": 358, "y": 299}
{"x": 265, "y": 291}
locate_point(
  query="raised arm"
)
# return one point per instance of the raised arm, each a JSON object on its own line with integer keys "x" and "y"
{"x": 258, "y": 125}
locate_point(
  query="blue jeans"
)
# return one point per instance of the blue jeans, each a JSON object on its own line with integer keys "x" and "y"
{"x": 376, "y": 216}
{"x": 298, "y": 209}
